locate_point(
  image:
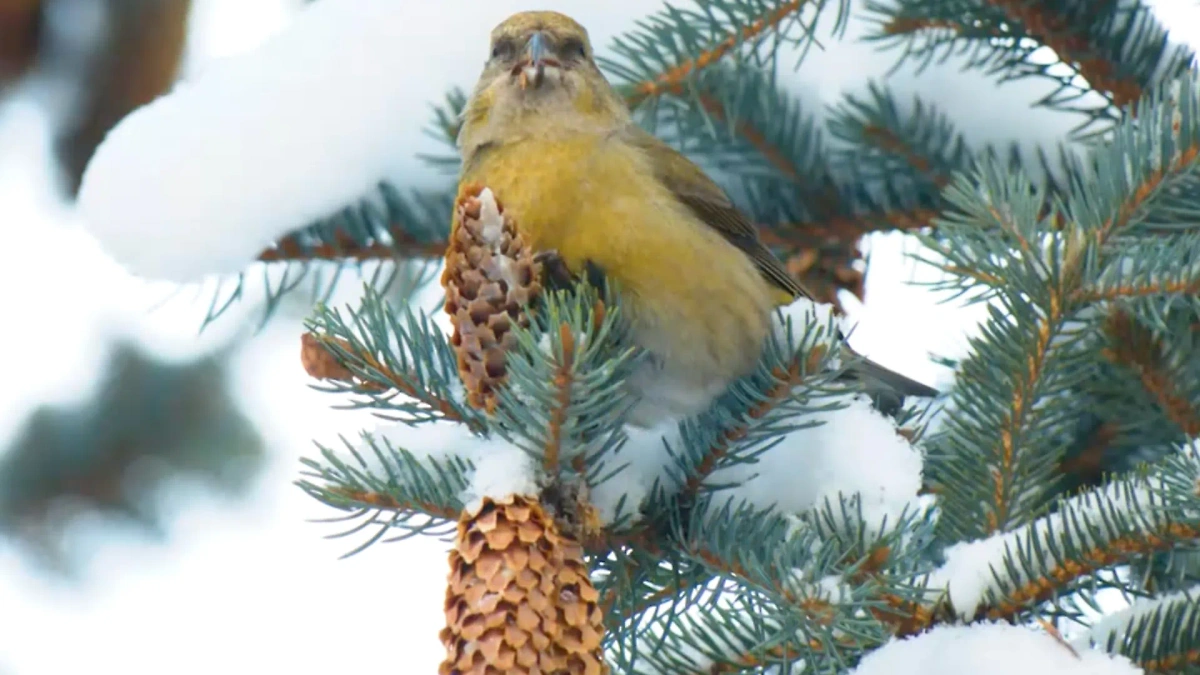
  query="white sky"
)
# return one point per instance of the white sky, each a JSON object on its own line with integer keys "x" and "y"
{"x": 253, "y": 586}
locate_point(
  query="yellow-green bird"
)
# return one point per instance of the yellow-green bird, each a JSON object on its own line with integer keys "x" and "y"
{"x": 556, "y": 143}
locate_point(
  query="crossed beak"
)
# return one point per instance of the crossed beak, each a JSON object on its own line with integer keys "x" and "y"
{"x": 535, "y": 60}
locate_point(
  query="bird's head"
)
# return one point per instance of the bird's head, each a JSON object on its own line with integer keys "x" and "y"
{"x": 540, "y": 70}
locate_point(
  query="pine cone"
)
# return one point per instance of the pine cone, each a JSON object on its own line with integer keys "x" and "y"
{"x": 319, "y": 362}
{"x": 519, "y": 598}
{"x": 490, "y": 277}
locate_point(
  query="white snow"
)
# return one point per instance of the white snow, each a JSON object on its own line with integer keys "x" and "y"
{"x": 489, "y": 215}
{"x": 803, "y": 312}
{"x": 989, "y": 649}
{"x": 492, "y": 234}
{"x": 201, "y": 180}
{"x": 500, "y": 468}
{"x": 972, "y": 568}
{"x": 500, "y": 471}
{"x": 856, "y": 451}
{"x": 692, "y": 637}
{"x": 437, "y": 441}
{"x": 646, "y": 460}
{"x": 1118, "y": 623}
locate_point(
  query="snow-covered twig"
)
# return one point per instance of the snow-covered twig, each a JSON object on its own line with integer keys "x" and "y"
{"x": 1158, "y": 633}
{"x": 1007, "y": 573}
{"x": 988, "y": 649}
{"x": 204, "y": 179}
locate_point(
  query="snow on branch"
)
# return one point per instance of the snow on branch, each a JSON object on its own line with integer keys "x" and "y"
{"x": 427, "y": 474}
{"x": 1160, "y": 633}
{"x": 989, "y": 649}
{"x": 1009, "y": 573}
{"x": 851, "y": 451}
{"x": 764, "y": 604}
{"x": 847, "y": 448}
{"x": 207, "y": 177}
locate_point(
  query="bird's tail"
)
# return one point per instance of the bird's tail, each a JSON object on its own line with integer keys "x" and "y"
{"x": 885, "y": 386}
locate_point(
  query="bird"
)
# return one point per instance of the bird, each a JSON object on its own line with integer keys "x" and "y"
{"x": 551, "y": 137}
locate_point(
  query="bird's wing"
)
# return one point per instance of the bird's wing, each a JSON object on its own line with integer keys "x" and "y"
{"x": 708, "y": 201}
{"x": 692, "y": 187}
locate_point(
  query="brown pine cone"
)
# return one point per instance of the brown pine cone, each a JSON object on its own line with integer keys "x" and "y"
{"x": 490, "y": 278}
{"x": 519, "y": 598}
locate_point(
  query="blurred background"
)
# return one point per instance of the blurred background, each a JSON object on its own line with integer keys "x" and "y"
{"x": 148, "y": 520}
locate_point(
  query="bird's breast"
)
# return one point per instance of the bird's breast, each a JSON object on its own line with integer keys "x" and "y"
{"x": 695, "y": 300}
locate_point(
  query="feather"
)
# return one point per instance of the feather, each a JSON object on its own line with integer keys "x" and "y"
{"x": 692, "y": 187}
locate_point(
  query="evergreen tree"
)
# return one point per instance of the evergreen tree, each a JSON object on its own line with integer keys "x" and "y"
{"x": 794, "y": 528}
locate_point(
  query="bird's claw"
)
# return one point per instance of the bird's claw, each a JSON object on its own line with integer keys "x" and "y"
{"x": 595, "y": 276}
{"x": 555, "y": 273}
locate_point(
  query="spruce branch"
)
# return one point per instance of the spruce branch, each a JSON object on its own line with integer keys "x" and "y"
{"x": 387, "y": 502}
{"x": 905, "y": 155}
{"x": 383, "y": 227}
{"x": 726, "y": 629}
{"x": 565, "y": 398}
{"x": 854, "y": 227}
{"x": 818, "y": 594}
{"x": 674, "y": 45}
{"x": 921, "y": 145}
{"x": 760, "y": 408}
{"x": 618, "y": 596}
{"x": 1162, "y": 266}
{"x": 1087, "y": 465}
{"x": 291, "y": 249}
{"x": 1119, "y": 49}
{"x": 758, "y": 140}
{"x": 775, "y": 396}
{"x": 1126, "y": 519}
{"x": 998, "y": 229}
{"x": 401, "y": 361}
{"x": 903, "y": 615}
{"x": 751, "y": 129}
{"x": 1137, "y": 348}
{"x": 386, "y": 225}
{"x": 564, "y": 378}
{"x": 995, "y": 420}
{"x": 763, "y": 605}
{"x": 1057, "y": 579}
{"x": 387, "y": 488}
{"x": 743, "y": 122}
{"x": 447, "y": 121}
{"x": 1159, "y": 634}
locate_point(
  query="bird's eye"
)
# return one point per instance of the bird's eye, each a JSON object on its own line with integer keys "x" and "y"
{"x": 502, "y": 48}
{"x": 574, "y": 48}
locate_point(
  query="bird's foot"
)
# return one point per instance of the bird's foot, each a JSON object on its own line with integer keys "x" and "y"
{"x": 555, "y": 273}
{"x": 595, "y": 276}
